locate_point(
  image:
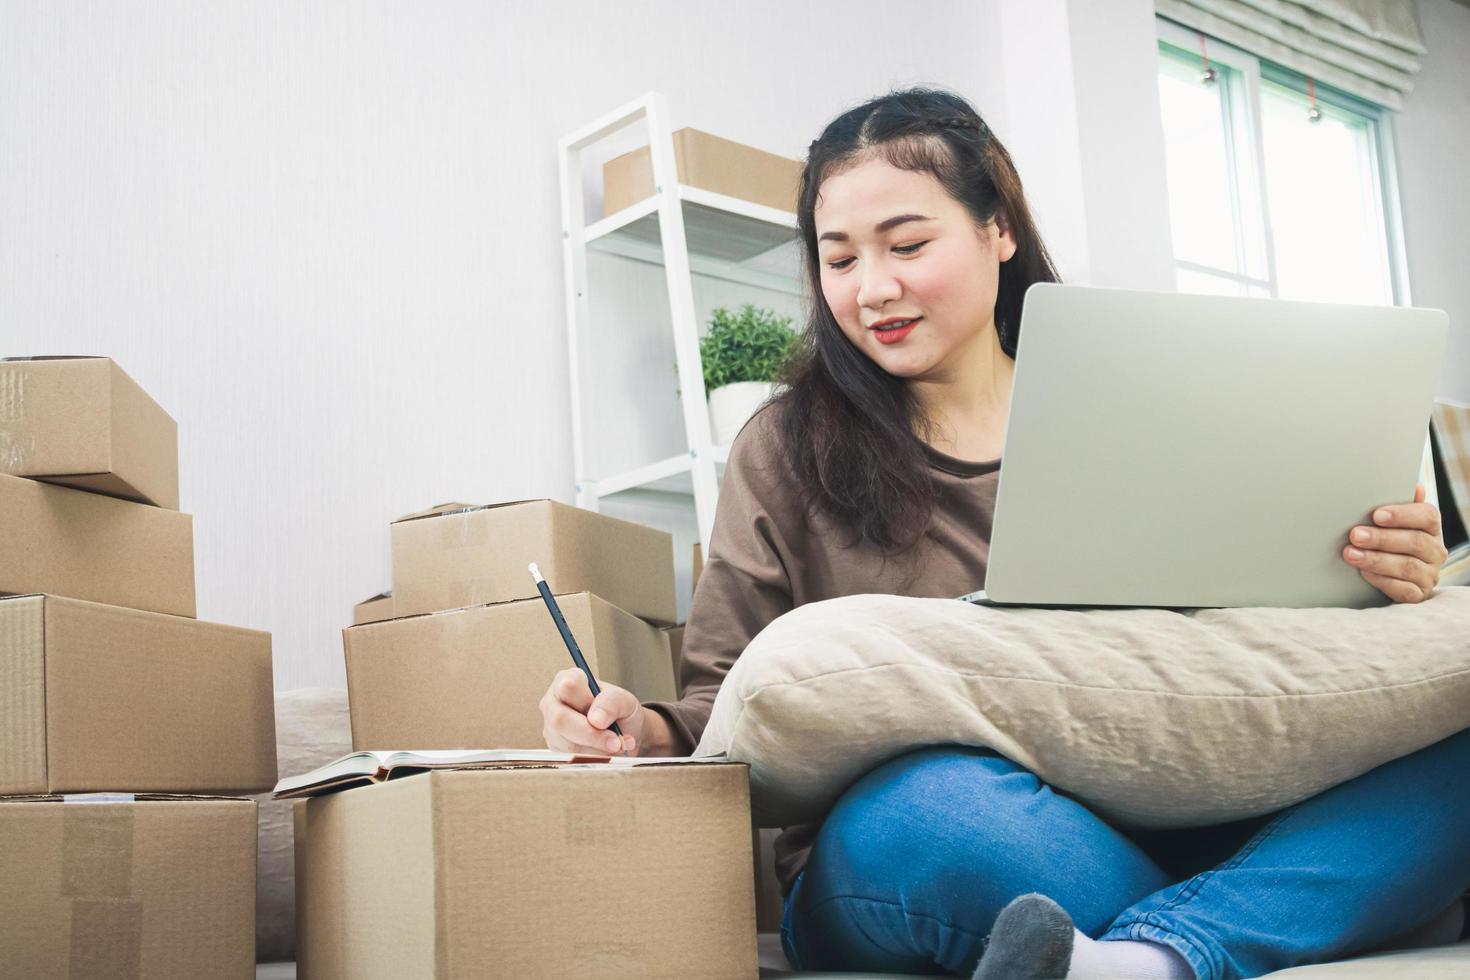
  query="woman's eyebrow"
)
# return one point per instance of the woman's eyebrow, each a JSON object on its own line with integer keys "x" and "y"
{"x": 880, "y": 227}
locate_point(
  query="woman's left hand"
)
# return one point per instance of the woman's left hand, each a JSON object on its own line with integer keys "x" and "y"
{"x": 1402, "y": 553}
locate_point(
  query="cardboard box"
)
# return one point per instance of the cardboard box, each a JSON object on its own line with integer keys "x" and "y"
{"x": 531, "y": 873}
{"x": 83, "y": 422}
{"x": 161, "y": 888}
{"x": 73, "y": 543}
{"x": 696, "y": 566}
{"x": 472, "y": 678}
{"x": 674, "y": 635}
{"x": 298, "y": 884}
{"x": 103, "y": 698}
{"x": 374, "y": 610}
{"x": 447, "y": 559}
{"x": 707, "y": 162}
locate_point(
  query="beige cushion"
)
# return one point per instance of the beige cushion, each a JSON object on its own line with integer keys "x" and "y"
{"x": 1155, "y": 718}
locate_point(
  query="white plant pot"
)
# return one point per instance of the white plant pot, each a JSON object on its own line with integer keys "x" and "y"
{"x": 731, "y": 405}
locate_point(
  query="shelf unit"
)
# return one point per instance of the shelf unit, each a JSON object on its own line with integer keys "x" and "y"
{"x": 689, "y": 231}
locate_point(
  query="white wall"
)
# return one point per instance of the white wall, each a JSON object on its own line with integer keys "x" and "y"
{"x": 325, "y": 236}
{"x": 1084, "y": 128}
{"x": 1433, "y": 145}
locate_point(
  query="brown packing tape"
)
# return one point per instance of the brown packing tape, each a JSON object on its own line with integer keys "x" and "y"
{"x": 12, "y": 394}
{"x": 16, "y": 449}
{"x": 463, "y": 530}
{"x": 22, "y": 694}
{"x": 460, "y": 594}
{"x": 97, "y": 874}
{"x": 17, "y": 443}
{"x": 106, "y": 939}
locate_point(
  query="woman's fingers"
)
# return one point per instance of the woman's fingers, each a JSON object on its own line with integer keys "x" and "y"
{"x": 574, "y": 721}
{"x": 611, "y": 704}
{"x": 1417, "y": 515}
{"x": 568, "y": 730}
{"x": 1401, "y": 577}
{"x": 570, "y": 688}
{"x": 1416, "y": 544}
{"x": 1401, "y": 553}
{"x": 1397, "y": 589}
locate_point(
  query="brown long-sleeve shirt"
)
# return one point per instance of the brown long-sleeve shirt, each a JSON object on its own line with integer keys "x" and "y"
{"x": 767, "y": 556}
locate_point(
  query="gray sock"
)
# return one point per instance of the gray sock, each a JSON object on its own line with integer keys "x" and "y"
{"x": 1031, "y": 940}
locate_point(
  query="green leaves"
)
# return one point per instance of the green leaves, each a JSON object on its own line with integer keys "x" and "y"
{"x": 750, "y": 345}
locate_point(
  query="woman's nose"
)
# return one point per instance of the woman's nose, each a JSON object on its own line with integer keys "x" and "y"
{"x": 878, "y": 286}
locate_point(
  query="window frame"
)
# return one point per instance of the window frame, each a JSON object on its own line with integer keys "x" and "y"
{"x": 1252, "y": 70}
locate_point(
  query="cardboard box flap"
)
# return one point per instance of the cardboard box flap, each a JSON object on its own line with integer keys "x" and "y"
{"x": 441, "y": 510}
{"x": 374, "y": 609}
{"x": 561, "y": 597}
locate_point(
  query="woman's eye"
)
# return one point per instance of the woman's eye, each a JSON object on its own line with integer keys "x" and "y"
{"x": 902, "y": 249}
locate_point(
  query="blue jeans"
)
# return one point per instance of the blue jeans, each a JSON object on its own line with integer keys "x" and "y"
{"x": 916, "y": 859}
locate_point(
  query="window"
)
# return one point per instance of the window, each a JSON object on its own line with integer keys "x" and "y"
{"x": 1265, "y": 201}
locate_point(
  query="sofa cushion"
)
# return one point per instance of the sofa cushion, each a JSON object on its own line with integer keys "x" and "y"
{"x": 1153, "y": 717}
{"x": 1434, "y": 963}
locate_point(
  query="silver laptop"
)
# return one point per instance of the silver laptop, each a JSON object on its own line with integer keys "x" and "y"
{"x": 1187, "y": 451}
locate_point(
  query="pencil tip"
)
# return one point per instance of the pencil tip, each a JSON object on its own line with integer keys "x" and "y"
{"x": 535, "y": 572}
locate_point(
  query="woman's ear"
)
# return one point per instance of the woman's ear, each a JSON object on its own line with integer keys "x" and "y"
{"x": 1005, "y": 242}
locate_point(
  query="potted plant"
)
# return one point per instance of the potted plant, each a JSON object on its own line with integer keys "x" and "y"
{"x": 742, "y": 354}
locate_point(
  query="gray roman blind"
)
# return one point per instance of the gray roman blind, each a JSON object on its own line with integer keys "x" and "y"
{"x": 1369, "y": 48}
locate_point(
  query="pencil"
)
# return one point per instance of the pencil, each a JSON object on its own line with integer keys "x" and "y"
{"x": 566, "y": 635}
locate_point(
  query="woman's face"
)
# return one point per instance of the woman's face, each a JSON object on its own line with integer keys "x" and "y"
{"x": 892, "y": 243}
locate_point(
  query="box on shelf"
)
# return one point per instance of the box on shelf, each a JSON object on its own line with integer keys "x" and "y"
{"x": 88, "y": 546}
{"x": 105, "y": 698}
{"x": 447, "y": 558}
{"x": 83, "y": 422}
{"x": 472, "y": 873}
{"x": 707, "y": 162}
{"x": 472, "y": 678}
{"x": 161, "y": 888}
{"x": 373, "y": 610}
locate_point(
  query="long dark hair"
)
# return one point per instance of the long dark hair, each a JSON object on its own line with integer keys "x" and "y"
{"x": 850, "y": 430}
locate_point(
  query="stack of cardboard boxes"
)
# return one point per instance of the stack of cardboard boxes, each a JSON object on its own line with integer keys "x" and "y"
{"x": 470, "y": 648}
{"x": 547, "y": 872}
{"x": 126, "y": 723}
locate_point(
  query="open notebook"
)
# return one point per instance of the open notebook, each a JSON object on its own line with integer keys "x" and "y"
{"x": 362, "y": 768}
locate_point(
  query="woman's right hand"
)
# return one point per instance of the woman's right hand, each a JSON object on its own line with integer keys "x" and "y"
{"x": 572, "y": 720}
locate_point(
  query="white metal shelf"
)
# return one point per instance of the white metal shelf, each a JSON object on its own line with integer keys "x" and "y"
{"x": 671, "y": 475}
{"x": 727, "y": 238}
{"x": 686, "y": 230}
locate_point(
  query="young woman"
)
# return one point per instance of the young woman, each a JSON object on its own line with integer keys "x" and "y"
{"x": 875, "y": 471}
